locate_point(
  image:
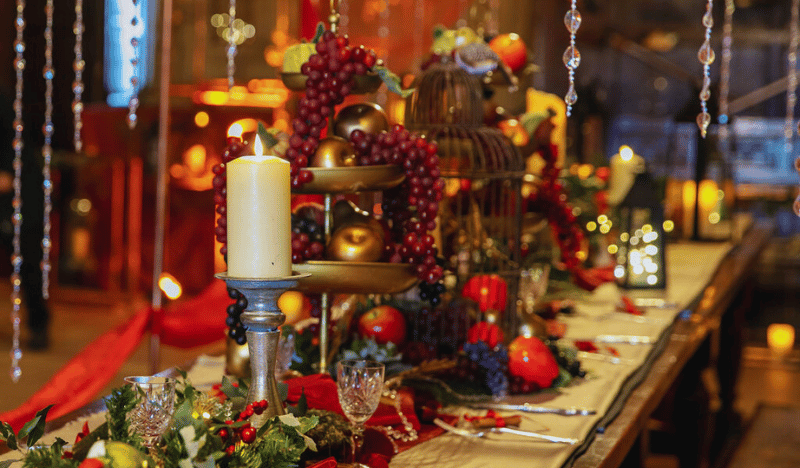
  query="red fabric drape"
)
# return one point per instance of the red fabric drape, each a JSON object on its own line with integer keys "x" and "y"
{"x": 309, "y": 18}
{"x": 84, "y": 375}
{"x": 196, "y": 322}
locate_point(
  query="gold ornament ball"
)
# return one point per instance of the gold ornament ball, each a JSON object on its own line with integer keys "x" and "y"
{"x": 334, "y": 151}
{"x": 358, "y": 242}
{"x": 367, "y": 116}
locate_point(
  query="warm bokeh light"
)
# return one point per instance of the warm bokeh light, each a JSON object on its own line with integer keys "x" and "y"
{"x": 625, "y": 152}
{"x": 201, "y": 119}
{"x": 669, "y": 225}
{"x": 235, "y": 130}
{"x": 780, "y": 338}
{"x": 195, "y": 159}
{"x": 170, "y": 286}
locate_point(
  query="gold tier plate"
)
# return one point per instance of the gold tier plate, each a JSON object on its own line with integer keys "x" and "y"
{"x": 364, "y": 84}
{"x": 355, "y": 277}
{"x": 353, "y": 179}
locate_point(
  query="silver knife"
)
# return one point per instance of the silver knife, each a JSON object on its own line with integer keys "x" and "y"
{"x": 623, "y": 339}
{"x": 529, "y": 408}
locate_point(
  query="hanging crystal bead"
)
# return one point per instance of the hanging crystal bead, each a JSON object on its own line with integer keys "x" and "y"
{"x": 572, "y": 20}
{"x": 16, "y": 218}
{"x": 708, "y": 20}
{"x": 703, "y": 121}
{"x": 706, "y": 54}
{"x": 231, "y": 50}
{"x": 572, "y": 57}
{"x": 572, "y": 97}
{"x": 47, "y": 151}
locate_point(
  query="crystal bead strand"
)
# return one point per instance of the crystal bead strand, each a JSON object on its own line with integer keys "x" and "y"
{"x": 572, "y": 58}
{"x": 706, "y": 57}
{"x": 231, "y": 51}
{"x": 133, "y": 103}
{"x": 791, "y": 79}
{"x": 77, "y": 85}
{"x": 16, "y": 220}
{"x": 47, "y": 149}
{"x": 725, "y": 64}
{"x": 725, "y": 72}
{"x": 791, "y": 92}
{"x": 383, "y": 40}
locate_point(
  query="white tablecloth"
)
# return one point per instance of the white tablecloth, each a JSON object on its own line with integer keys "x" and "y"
{"x": 690, "y": 267}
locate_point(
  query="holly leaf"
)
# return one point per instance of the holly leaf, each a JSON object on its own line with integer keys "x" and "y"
{"x": 267, "y": 138}
{"x": 320, "y": 31}
{"x": 392, "y": 81}
{"x": 34, "y": 429}
{"x": 230, "y": 390}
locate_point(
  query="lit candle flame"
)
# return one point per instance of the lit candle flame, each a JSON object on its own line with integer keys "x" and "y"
{"x": 235, "y": 130}
{"x": 258, "y": 147}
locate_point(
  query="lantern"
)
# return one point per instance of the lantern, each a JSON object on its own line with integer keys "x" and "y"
{"x": 641, "y": 251}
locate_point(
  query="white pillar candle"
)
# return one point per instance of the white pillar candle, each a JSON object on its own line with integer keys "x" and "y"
{"x": 259, "y": 219}
{"x": 623, "y": 169}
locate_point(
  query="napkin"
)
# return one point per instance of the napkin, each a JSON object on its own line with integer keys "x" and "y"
{"x": 320, "y": 391}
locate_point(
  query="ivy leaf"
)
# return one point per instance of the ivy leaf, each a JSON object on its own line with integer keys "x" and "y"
{"x": 392, "y": 82}
{"x": 320, "y": 31}
{"x": 267, "y": 138}
{"x": 5, "y": 430}
{"x": 34, "y": 428}
{"x": 183, "y": 414}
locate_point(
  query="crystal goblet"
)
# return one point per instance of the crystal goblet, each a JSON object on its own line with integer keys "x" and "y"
{"x": 151, "y": 417}
{"x": 359, "y": 384}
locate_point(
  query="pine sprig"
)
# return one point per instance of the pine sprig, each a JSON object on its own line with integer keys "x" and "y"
{"x": 50, "y": 457}
{"x": 121, "y": 401}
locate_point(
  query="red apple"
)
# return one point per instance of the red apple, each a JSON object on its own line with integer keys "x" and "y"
{"x": 532, "y": 360}
{"x": 384, "y": 324}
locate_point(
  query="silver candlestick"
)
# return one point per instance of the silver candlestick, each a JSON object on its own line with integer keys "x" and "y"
{"x": 261, "y": 320}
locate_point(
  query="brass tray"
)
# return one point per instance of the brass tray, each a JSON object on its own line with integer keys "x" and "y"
{"x": 355, "y": 277}
{"x": 353, "y": 179}
{"x": 364, "y": 84}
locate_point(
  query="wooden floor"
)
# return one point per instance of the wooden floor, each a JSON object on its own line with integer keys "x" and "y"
{"x": 772, "y": 441}
{"x": 74, "y": 325}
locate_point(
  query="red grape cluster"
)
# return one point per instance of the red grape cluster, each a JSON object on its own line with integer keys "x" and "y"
{"x": 234, "y": 149}
{"x": 411, "y": 208}
{"x": 330, "y": 75}
{"x": 551, "y": 199}
{"x": 234, "y": 318}
{"x": 307, "y": 239}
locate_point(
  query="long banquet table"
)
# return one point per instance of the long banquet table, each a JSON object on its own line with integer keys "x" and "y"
{"x": 703, "y": 281}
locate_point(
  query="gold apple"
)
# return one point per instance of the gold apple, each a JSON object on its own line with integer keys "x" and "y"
{"x": 334, "y": 151}
{"x": 367, "y": 116}
{"x": 357, "y": 242}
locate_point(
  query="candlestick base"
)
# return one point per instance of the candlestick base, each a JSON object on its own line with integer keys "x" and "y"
{"x": 261, "y": 319}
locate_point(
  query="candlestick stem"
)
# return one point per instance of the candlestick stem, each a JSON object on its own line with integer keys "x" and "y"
{"x": 261, "y": 319}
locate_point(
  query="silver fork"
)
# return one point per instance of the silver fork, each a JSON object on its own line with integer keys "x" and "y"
{"x": 507, "y": 430}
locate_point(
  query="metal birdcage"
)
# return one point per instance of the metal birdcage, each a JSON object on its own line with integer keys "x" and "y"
{"x": 481, "y": 212}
